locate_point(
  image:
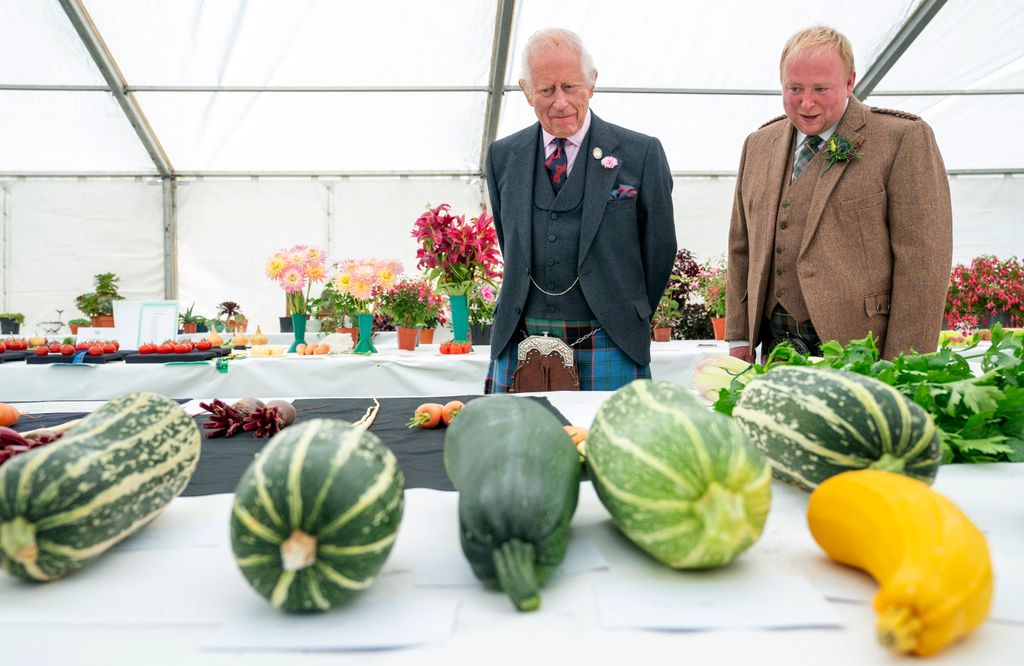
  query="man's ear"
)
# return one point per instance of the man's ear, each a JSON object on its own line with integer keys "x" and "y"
{"x": 526, "y": 91}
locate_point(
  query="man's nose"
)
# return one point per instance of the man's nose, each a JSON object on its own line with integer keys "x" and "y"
{"x": 806, "y": 100}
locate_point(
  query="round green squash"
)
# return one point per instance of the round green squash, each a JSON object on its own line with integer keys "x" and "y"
{"x": 814, "y": 423}
{"x": 518, "y": 477}
{"x": 682, "y": 482}
{"x": 316, "y": 514}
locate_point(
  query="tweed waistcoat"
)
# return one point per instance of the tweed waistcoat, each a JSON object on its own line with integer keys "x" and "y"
{"x": 556, "y": 224}
{"x": 790, "y": 223}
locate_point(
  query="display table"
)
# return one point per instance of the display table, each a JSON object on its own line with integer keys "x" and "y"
{"x": 172, "y": 595}
{"x": 391, "y": 372}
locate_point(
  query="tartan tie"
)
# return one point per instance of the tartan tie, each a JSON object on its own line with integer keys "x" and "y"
{"x": 557, "y": 165}
{"x": 811, "y": 145}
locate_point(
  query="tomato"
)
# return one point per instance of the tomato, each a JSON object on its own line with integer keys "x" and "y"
{"x": 3, "y": 347}
{"x": 117, "y": 345}
{"x": 42, "y": 350}
{"x": 108, "y": 348}
{"x": 82, "y": 346}
{"x": 96, "y": 350}
{"x": 203, "y": 345}
{"x": 181, "y": 348}
{"x": 165, "y": 348}
{"x": 446, "y": 348}
{"x": 67, "y": 350}
{"x": 55, "y": 347}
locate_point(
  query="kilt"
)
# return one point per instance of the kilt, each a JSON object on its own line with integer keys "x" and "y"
{"x": 601, "y": 365}
{"x": 783, "y": 326}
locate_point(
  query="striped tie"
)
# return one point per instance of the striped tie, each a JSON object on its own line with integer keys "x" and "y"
{"x": 811, "y": 145}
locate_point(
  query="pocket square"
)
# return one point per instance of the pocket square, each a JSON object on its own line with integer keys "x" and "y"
{"x": 623, "y": 192}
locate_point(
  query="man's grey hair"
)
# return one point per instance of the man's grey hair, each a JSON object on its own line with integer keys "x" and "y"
{"x": 553, "y": 39}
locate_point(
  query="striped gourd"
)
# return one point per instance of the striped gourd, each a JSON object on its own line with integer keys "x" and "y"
{"x": 684, "y": 483}
{"x": 65, "y": 504}
{"x": 315, "y": 515}
{"x": 814, "y": 423}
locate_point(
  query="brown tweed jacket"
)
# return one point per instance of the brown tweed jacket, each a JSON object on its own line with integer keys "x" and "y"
{"x": 877, "y": 246}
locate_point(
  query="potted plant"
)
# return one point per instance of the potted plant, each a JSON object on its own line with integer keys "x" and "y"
{"x": 482, "y": 300}
{"x": 667, "y": 314}
{"x": 711, "y": 284}
{"x": 75, "y": 323}
{"x": 986, "y": 292}
{"x": 437, "y": 316}
{"x": 189, "y": 321}
{"x": 408, "y": 304}
{"x": 98, "y": 305}
{"x": 10, "y": 322}
{"x": 230, "y": 311}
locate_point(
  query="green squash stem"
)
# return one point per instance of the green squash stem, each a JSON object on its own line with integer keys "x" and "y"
{"x": 18, "y": 540}
{"x": 513, "y": 562}
{"x": 889, "y": 463}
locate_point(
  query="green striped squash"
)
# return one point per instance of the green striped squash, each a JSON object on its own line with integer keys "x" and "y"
{"x": 66, "y": 503}
{"x": 814, "y": 423}
{"x": 316, "y": 514}
{"x": 684, "y": 483}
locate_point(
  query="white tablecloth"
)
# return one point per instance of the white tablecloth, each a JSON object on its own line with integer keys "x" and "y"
{"x": 176, "y": 590}
{"x": 391, "y": 372}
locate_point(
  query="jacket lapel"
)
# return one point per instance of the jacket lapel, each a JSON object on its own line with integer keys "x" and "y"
{"x": 599, "y": 182}
{"x": 852, "y": 121}
{"x": 520, "y": 206}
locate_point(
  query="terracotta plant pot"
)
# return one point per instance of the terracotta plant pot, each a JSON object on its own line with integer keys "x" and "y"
{"x": 407, "y": 338}
{"x": 354, "y": 332}
{"x": 102, "y": 321}
{"x": 427, "y": 336}
{"x": 189, "y": 328}
{"x": 662, "y": 333}
{"x": 718, "y": 323}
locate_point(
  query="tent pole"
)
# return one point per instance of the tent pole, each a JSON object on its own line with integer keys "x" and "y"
{"x": 94, "y": 44}
{"x": 5, "y": 212}
{"x": 170, "y": 197}
{"x": 499, "y": 67}
{"x": 901, "y": 41}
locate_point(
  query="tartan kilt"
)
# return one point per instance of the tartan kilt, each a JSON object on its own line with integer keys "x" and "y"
{"x": 783, "y": 326}
{"x": 601, "y": 365}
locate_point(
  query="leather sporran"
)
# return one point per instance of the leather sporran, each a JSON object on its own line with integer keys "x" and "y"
{"x": 545, "y": 364}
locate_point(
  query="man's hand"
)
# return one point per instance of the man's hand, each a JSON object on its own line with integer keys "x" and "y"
{"x": 743, "y": 353}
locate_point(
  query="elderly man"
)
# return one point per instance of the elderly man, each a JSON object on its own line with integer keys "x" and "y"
{"x": 841, "y": 222}
{"x": 583, "y": 212}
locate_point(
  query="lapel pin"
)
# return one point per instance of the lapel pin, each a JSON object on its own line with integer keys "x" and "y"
{"x": 598, "y": 153}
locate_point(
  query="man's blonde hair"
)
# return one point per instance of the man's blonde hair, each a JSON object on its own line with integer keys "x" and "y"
{"x": 817, "y": 38}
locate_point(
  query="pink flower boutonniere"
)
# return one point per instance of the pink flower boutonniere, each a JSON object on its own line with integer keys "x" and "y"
{"x": 610, "y": 162}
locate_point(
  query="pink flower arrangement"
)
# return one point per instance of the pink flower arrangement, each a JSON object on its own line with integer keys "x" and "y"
{"x": 455, "y": 253}
{"x": 365, "y": 279}
{"x": 409, "y": 302}
{"x": 711, "y": 281}
{"x": 979, "y": 292}
{"x": 296, "y": 269}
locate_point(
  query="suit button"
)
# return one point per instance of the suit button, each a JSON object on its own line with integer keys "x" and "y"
{"x": 551, "y": 308}
{"x": 527, "y": 270}
{"x": 551, "y": 285}
{"x": 551, "y": 237}
{"x": 878, "y": 307}
{"x": 554, "y": 216}
{"x": 778, "y": 293}
{"x": 783, "y": 226}
{"x": 778, "y": 250}
{"x": 551, "y": 262}
{"x": 785, "y": 204}
{"x": 778, "y": 271}
{"x": 519, "y": 310}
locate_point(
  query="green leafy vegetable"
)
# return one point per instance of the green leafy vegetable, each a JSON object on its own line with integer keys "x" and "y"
{"x": 980, "y": 415}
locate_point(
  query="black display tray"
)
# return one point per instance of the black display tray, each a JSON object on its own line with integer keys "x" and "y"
{"x": 52, "y": 358}
{"x": 205, "y": 355}
{"x": 8, "y": 356}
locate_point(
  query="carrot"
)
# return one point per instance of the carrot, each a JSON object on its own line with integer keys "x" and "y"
{"x": 451, "y": 410}
{"x": 428, "y": 415}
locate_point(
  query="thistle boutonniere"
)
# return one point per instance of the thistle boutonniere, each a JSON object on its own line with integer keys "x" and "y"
{"x": 839, "y": 148}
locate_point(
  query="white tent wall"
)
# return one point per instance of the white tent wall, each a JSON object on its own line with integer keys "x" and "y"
{"x": 228, "y": 229}
{"x": 63, "y": 232}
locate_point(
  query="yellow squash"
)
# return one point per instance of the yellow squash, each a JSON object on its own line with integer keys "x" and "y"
{"x": 931, "y": 563}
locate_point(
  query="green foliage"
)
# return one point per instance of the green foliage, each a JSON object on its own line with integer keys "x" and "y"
{"x": 101, "y": 301}
{"x": 16, "y": 317}
{"x": 187, "y": 317}
{"x": 980, "y": 416}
